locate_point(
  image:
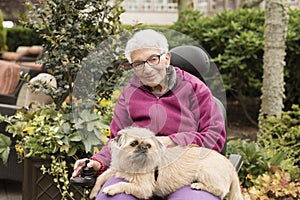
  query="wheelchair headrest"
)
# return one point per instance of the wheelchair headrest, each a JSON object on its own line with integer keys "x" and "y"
{"x": 192, "y": 59}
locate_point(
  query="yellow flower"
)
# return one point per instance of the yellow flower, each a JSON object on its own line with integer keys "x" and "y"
{"x": 29, "y": 130}
{"x": 107, "y": 132}
{"x": 96, "y": 110}
{"x": 249, "y": 176}
{"x": 19, "y": 149}
{"x": 95, "y": 150}
{"x": 105, "y": 103}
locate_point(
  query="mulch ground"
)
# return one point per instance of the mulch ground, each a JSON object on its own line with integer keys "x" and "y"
{"x": 239, "y": 126}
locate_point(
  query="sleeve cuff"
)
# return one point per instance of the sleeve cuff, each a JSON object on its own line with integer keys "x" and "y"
{"x": 103, "y": 167}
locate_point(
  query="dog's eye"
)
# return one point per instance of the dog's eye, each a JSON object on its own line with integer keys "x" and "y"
{"x": 148, "y": 146}
{"x": 134, "y": 143}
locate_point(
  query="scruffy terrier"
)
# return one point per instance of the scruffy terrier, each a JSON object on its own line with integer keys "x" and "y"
{"x": 151, "y": 169}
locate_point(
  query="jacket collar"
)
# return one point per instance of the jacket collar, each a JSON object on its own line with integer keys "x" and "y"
{"x": 171, "y": 80}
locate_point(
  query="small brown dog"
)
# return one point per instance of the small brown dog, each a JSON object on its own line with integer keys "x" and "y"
{"x": 151, "y": 169}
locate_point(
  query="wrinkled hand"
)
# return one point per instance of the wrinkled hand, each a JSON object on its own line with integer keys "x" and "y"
{"x": 79, "y": 164}
{"x": 166, "y": 141}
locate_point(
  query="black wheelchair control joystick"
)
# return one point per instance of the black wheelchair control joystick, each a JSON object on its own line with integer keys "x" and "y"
{"x": 86, "y": 179}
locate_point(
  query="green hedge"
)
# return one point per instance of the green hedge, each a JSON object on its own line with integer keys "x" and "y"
{"x": 292, "y": 70}
{"x": 234, "y": 39}
{"x": 2, "y": 34}
{"x": 19, "y": 36}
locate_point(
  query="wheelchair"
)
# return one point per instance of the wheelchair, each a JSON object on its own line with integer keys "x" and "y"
{"x": 196, "y": 61}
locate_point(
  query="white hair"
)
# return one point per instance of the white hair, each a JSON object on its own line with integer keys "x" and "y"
{"x": 146, "y": 39}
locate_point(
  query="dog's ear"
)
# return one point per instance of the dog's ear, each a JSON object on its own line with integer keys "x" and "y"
{"x": 120, "y": 139}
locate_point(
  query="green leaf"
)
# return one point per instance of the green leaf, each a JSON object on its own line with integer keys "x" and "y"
{"x": 72, "y": 151}
{"x": 5, "y": 143}
{"x": 66, "y": 140}
{"x": 60, "y": 142}
{"x": 278, "y": 158}
{"x": 64, "y": 148}
{"x": 75, "y": 138}
{"x": 89, "y": 140}
{"x": 66, "y": 128}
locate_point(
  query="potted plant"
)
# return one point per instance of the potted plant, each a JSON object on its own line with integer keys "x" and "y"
{"x": 67, "y": 129}
{"x": 52, "y": 138}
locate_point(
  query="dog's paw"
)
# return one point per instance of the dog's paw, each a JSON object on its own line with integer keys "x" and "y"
{"x": 197, "y": 186}
{"x": 112, "y": 190}
{"x": 93, "y": 194}
{"x": 211, "y": 189}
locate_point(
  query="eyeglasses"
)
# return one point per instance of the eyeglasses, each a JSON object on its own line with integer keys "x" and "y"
{"x": 152, "y": 60}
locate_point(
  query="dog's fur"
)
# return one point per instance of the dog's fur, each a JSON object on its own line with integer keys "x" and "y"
{"x": 151, "y": 169}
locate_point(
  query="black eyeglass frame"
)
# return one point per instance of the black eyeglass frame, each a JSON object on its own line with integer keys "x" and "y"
{"x": 141, "y": 64}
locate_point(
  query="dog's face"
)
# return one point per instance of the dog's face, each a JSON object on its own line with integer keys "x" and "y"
{"x": 130, "y": 140}
{"x": 135, "y": 148}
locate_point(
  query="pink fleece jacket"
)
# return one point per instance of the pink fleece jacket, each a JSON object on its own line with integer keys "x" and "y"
{"x": 187, "y": 114}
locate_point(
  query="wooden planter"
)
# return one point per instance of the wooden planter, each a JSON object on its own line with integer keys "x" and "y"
{"x": 38, "y": 186}
{"x": 14, "y": 169}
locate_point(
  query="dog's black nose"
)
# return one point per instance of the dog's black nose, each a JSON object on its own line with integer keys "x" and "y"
{"x": 143, "y": 148}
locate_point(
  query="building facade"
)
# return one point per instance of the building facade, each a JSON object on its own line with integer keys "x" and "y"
{"x": 165, "y": 11}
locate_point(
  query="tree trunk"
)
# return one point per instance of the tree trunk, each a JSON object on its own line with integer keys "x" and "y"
{"x": 276, "y": 21}
{"x": 184, "y": 5}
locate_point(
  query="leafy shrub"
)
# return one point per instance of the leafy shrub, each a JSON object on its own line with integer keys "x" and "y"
{"x": 283, "y": 135}
{"x": 2, "y": 34}
{"x": 277, "y": 146}
{"x": 20, "y": 36}
{"x": 255, "y": 160}
{"x": 191, "y": 20}
{"x": 276, "y": 184}
{"x": 48, "y": 132}
{"x": 234, "y": 40}
{"x": 71, "y": 30}
{"x": 292, "y": 69}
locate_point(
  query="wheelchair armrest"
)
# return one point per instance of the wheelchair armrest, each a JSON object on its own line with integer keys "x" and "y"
{"x": 236, "y": 160}
{"x": 6, "y": 109}
{"x": 8, "y": 99}
{"x": 27, "y": 59}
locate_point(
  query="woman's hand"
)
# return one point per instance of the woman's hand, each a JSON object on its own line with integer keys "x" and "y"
{"x": 166, "y": 141}
{"x": 79, "y": 164}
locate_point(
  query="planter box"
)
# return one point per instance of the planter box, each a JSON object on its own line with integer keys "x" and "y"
{"x": 38, "y": 186}
{"x": 14, "y": 169}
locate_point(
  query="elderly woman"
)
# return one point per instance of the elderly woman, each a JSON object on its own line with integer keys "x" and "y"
{"x": 174, "y": 104}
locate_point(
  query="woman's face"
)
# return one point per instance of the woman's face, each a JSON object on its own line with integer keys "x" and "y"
{"x": 154, "y": 71}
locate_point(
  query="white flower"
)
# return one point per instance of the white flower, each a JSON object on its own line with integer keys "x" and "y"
{"x": 88, "y": 9}
{"x": 84, "y": 14}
